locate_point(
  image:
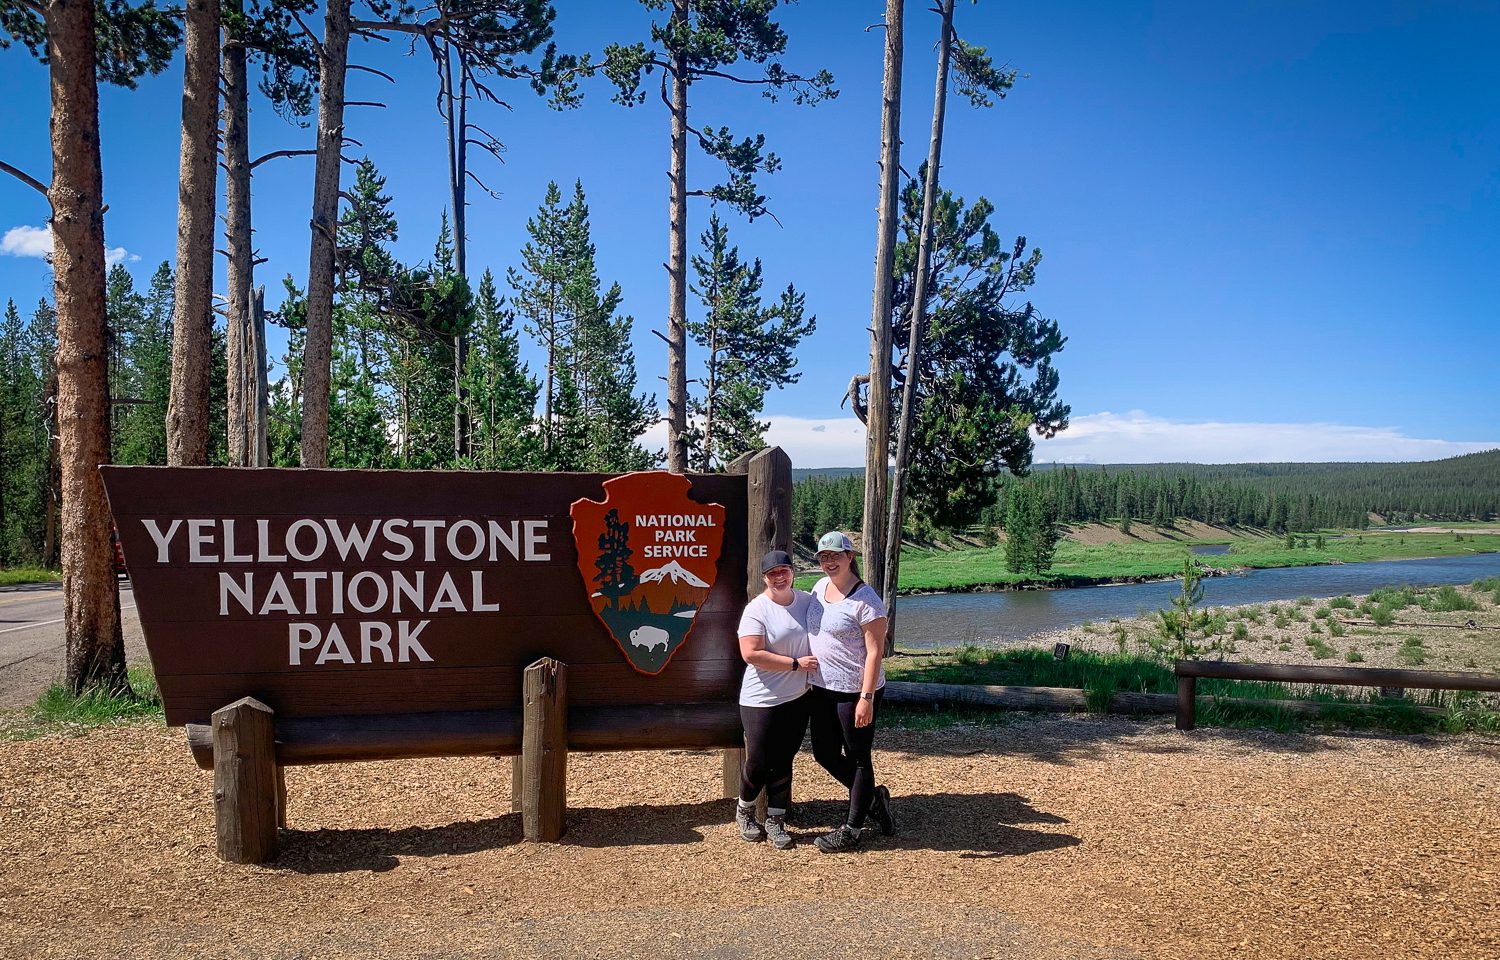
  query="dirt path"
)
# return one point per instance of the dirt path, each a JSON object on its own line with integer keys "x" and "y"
{"x": 1067, "y": 838}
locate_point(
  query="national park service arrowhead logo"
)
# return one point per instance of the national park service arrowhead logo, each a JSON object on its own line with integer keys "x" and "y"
{"x": 648, "y": 555}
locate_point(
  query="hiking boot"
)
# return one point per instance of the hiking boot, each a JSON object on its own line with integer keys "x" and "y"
{"x": 750, "y": 829}
{"x": 776, "y": 833}
{"x": 842, "y": 840}
{"x": 881, "y": 811}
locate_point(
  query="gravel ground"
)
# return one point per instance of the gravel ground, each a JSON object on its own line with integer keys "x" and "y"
{"x": 1055, "y": 838}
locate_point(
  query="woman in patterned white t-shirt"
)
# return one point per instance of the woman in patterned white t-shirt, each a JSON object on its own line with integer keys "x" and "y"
{"x": 846, "y": 629}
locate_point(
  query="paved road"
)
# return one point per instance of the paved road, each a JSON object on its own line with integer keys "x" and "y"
{"x": 31, "y": 639}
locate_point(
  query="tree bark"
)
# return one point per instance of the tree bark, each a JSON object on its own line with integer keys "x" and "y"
{"x": 333, "y": 61}
{"x": 914, "y": 344}
{"x": 878, "y": 417}
{"x": 239, "y": 340}
{"x": 94, "y": 649}
{"x": 192, "y": 323}
{"x": 677, "y": 460}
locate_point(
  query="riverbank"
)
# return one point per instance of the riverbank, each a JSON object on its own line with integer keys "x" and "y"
{"x": 1442, "y": 628}
{"x": 1079, "y": 564}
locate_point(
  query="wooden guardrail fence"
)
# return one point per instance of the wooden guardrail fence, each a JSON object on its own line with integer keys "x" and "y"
{"x": 1190, "y": 671}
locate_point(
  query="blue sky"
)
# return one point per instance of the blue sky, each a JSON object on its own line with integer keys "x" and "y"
{"x": 1270, "y": 230}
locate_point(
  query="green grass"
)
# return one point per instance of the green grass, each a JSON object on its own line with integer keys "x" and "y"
{"x": 1102, "y": 675}
{"x": 18, "y": 575}
{"x": 59, "y": 711}
{"x": 1079, "y": 564}
{"x": 1411, "y": 651}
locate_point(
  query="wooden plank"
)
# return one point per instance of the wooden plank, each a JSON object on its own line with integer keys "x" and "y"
{"x": 443, "y": 690}
{"x": 1349, "y": 676}
{"x": 1187, "y": 704}
{"x": 544, "y": 752}
{"x": 246, "y": 808}
{"x": 517, "y": 777}
{"x": 307, "y": 740}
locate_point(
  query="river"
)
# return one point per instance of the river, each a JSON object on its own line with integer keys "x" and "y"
{"x": 951, "y": 619}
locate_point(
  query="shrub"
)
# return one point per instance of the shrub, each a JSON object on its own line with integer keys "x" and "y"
{"x": 1304, "y": 601}
{"x": 1320, "y": 650}
{"x": 1335, "y": 629}
{"x": 1411, "y": 651}
{"x": 1323, "y": 612}
{"x": 1446, "y": 599}
{"x": 1241, "y": 633}
{"x": 1397, "y": 598}
{"x": 1354, "y": 656}
{"x": 1342, "y": 603}
{"x": 1382, "y": 616}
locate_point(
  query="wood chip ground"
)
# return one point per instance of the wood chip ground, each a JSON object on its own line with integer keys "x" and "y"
{"x": 1055, "y": 838}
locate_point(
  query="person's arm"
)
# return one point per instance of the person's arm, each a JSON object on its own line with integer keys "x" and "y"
{"x": 753, "y": 650}
{"x": 864, "y": 711}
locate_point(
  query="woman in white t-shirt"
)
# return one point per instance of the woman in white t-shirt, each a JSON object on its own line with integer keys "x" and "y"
{"x": 773, "y": 701}
{"x": 846, "y": 629}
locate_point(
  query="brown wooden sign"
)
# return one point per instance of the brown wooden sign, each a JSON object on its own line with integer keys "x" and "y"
{"x": 344, "y": 592}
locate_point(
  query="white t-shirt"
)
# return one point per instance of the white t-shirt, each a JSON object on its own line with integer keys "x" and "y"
{"x": 837, "y": 634}
{"x": 785, "y": 630}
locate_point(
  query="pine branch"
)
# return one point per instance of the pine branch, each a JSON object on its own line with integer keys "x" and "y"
{"x": 364, "y": 69}
{"x": 24, "y": 177}
{"x": 280, "y": 153}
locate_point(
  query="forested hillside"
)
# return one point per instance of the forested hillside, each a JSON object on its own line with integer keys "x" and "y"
{"x": 1275, "y": 496}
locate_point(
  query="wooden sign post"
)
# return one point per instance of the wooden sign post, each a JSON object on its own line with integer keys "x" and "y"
{"x": 324, "y": 616}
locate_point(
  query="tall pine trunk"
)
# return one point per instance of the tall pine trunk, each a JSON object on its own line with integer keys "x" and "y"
{"x": 677, "y": 460}
{"x": 458, "y": 146}
{"x": 333, "y": 62}
{"x": 94, "y": 648}
{"x": 878, "y": 417}
{"x": 240, "y": 340}
{"x": 918, "y": 318}
{"x": 197, "y": 184}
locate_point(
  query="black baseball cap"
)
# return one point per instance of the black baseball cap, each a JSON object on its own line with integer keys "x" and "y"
{"x": 774, "y": 559}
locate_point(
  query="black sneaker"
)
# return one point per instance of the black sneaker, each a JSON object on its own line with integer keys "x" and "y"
{"x": 881, "y": 811}
{"x": 842, "y": 840}
{"x": 776, "y": 833}
{"x": 750, "y": 828}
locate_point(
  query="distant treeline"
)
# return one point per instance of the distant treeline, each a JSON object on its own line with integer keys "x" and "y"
{"x": 1279, "y": 497}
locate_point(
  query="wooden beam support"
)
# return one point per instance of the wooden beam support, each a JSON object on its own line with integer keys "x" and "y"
{"x": 247, "y": 807}
{"x": 544, "y": 751}
{"x": 1187, "y": 702}
{"x": 495, "y": 733}
{"x": 517, "y": 777}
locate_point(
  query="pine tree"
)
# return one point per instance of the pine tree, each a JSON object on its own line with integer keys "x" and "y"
{"x": 749, "y": 348}
{"x": 1030, "y": 530}
{"x": 500, "y": 392}
{"x": 703, "y": 39}
{"x": 540, "y": 286}
{"x": 600, "y": 358}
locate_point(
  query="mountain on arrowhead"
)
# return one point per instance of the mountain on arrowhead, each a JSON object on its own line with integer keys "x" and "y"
{"x": 673, "y": 572}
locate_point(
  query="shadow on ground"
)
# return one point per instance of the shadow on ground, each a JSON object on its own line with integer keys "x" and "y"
{"x": 974, "y": 825}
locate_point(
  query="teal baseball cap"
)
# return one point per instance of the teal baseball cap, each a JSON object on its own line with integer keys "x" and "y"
{"x": 834, "y": 540}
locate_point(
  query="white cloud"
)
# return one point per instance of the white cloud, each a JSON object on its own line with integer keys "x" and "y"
{"x": 1138, "y": 437}
{"x": 26, "y": 241}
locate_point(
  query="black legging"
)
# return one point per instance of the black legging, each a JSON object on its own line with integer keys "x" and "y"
{"x": 773, "y": 735}
{"x": 844, "y": 749}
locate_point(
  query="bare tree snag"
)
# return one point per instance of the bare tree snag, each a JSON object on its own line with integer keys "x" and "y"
{"x": 333, "y": 59}
{"x": 918, "y": 318}
{"x": 878, "y": 405}
{"x": 197, "y": 188}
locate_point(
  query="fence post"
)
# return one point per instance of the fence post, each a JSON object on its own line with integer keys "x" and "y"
{"x": 1187, "y": 706}
{"x": 247, "y": 809}
{"x": 544, "y": 751}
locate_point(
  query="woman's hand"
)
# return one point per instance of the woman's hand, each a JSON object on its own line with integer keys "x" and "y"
{"x": 808, "y": 662}
{"x": 864, "y": 713}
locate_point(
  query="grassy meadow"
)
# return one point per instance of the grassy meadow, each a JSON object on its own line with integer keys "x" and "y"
{"x": 1081, "y": 564}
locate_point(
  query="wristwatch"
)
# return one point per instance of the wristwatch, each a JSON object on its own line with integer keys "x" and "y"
{"x": 795, "y": 666}
{"x": 866, "y": 696}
